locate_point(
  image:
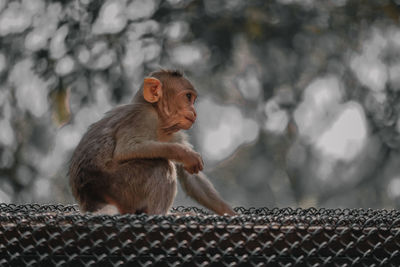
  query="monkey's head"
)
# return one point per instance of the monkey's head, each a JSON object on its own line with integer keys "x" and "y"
{"x": 173, "y": 96}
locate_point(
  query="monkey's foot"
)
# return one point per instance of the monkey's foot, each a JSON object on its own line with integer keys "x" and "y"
{"x": 107, "y": 210}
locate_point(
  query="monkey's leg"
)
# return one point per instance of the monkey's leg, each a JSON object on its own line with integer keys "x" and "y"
{"x": 145, "y": 185}
{"x": 163, "y": 187}
{"x": 108, "y": 209}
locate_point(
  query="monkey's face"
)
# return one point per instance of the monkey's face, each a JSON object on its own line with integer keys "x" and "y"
{"x": 174, "y": 99}
{"x": 186, "y": 112}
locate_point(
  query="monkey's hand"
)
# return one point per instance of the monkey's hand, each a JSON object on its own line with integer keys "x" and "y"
{"x": 192, "y": 161}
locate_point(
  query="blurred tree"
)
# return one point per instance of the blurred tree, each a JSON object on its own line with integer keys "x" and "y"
{"x": 306, "y": 92}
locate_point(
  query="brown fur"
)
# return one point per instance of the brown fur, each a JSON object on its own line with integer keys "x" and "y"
{"x": 130, "y": 158}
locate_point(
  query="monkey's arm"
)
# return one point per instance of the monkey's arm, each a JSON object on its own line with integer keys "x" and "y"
{"x": 198, "y": 187}
{"x": 153, "y": 149}
{"x": 148, "y": 150}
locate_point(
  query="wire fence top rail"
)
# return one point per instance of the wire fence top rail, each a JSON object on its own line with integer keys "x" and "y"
{"x": 48, "y": 235}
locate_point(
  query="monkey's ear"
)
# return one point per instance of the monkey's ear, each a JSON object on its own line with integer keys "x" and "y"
{"x": 152, "y": 89}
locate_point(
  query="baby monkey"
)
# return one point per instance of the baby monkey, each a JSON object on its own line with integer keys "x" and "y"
{"x": 129, "y": 161}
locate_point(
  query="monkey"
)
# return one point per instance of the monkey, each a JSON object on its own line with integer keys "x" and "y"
{"x": 130, "y": 160}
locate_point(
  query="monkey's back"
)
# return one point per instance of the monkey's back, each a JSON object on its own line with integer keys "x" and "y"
{"x": 92, "y": 160}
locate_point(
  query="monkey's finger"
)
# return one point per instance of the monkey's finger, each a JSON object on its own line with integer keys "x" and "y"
{"x": 186, "y": 169}
{"x": 196, "y": 169}
{"x": 201, "y": 166}
{"x": 189, "y": 170}
{"x": 193, "y": 169}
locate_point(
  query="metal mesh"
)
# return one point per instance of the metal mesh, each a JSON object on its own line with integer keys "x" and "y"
{"x": 58, "y": 235}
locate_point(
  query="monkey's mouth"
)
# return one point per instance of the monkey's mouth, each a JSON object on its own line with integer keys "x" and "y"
{"x": 190, "y": 119}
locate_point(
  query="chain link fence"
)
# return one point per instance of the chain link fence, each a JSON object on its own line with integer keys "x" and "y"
{"x": 58, "y": 235}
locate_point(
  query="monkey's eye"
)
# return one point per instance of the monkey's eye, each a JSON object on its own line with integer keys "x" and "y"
{"x": 189, "y": 96}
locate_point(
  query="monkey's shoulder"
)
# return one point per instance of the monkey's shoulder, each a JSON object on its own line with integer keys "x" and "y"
{"x": 131, "y": 116}
{"x": 123, "y": 123}
{"x": 133, "y": 121}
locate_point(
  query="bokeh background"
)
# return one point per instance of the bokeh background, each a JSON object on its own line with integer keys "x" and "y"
{"x": 299, "y": 99}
